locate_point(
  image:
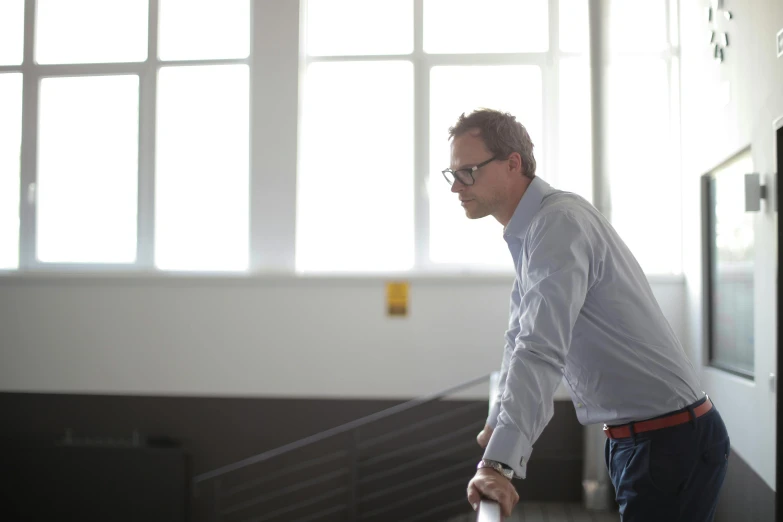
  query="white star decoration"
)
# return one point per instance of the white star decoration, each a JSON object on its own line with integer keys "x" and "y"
{"x": 719, "y": 40}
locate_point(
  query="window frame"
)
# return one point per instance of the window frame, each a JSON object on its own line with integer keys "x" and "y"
{"x": 275, "y": 118}
{"x": 147, "y": 71}
{"x": 549, "y": 63}
{"x": 671, "y": 57}
{"x": 709, "y": 316}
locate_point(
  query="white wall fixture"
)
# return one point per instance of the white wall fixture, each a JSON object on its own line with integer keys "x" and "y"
{"x": 779, "y": 42}
{"x": 717, "y": 16}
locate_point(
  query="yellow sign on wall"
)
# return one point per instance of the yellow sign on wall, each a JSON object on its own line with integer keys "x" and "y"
{"x": 397, "y": 298}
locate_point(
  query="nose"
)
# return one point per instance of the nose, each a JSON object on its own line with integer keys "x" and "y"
{"x": 457, "y": 186}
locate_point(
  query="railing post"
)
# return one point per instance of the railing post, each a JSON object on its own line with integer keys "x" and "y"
{"x": 354, "y": 506}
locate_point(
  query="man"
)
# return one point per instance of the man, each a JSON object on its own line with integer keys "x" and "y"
{"x": 582, "y": 312}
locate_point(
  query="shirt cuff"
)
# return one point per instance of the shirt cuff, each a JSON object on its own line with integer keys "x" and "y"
{"x": 511, "y": 448}
{"x": 492, "y": 418}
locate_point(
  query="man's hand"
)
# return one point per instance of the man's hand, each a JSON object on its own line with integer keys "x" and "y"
{"x": 490, "y": 484}
{"x": 484, "y": 435}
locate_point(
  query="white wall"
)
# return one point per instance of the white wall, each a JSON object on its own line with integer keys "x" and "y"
{"x": 283, "y": 336}
{"x": 726, "y": 108}
{"x": 262, "y": 335}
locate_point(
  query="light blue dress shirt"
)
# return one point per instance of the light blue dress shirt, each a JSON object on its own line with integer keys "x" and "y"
{"x": 582, "y": 312}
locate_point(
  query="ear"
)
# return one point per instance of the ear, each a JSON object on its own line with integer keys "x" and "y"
{"x": 515, "y": 163}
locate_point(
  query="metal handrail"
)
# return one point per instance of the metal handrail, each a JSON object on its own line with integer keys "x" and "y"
{"x": 417, "y": 481}
{"x": 489, "y": 511}
{"x": 412, "y": 498}
{"x": 359, "y": 471}
{"x": 261, "y": 457}
{"x": 422, "y": 445}
{"x": 368, "y": 443}
{"x": 432, "y": 456}
{"x": 299, "y": 486}
{"x": 255, "y": 483}
{"x": 310, "y": 501}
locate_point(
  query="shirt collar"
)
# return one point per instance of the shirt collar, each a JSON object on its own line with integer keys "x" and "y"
{"x": 528, "y": 206}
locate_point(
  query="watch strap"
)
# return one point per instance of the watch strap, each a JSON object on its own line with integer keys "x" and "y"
{"x": 501, "y": 468}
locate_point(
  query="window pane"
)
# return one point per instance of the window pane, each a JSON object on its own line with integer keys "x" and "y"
{"x": 575, "y": 168}
{"x": 642, "y": 169}
{"x": 204, "y": 29}
{"x": 10, "y": 149}
{"x": 490, "y": 26}
{"x": 11, "y": 31}
{"x": 91, "y": 31}
{"x": 88, "y": 169}
{"x": 574, "y": 26}
{"x": 355, "y": 189}
{"x": 732, "y": 246}
{"x": 633, "y": 27}
{"x": 359, "y": 27}
{"x": 513, "y": 88}
{"x": 202, "y": 168}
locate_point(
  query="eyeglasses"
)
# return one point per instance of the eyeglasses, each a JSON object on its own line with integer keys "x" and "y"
{"x": 465, "y": 176}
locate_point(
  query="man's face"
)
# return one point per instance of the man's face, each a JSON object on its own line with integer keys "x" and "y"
{"x": 485, "y": 197}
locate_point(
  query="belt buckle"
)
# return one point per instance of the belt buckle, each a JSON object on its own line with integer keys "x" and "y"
{"x": 607, "y": 431}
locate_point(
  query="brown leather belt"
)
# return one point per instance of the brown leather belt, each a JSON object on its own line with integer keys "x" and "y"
{"x": 621, "y": 432}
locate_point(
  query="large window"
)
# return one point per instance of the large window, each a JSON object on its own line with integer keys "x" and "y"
{"x": 136, "y": 154}
{"x": 10, "y": 139}
{"x": 385, "y": 80}
{"x": 11, "y": 38}
{"x": 130, "y": 148}
{"x": 642, "y": 131}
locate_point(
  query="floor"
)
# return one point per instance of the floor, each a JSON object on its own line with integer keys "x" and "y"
{"x": 549, "y": 512}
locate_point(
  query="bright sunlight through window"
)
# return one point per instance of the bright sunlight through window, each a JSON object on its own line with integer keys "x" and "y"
{"x": 355, "y": 199}
{"x": 10, "y": 151}
{"x": 88, "y": 169}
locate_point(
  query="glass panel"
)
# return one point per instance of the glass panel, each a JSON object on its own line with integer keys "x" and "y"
{"x": 10, "y": 151}
{"x": 88, "y": 169}
{"x": 641, "y": 161}
{"x": 91, "y": 31}
{"x": 575, "y": 167}
{"x": 359, "y": 27}
{"x": 204, "y": 29}
{"x": 453, "y": 90}
{"x": 574, "y": 26}
{"x": 634, "y": 28}
{"x": 202, "y": 182}
{"x": 490, "y": 26}
{"x": 355, "y": 184}
{"x": 674, "y": 23}
{"x": 11, "y": 32}
{"x": 731, "y": 269}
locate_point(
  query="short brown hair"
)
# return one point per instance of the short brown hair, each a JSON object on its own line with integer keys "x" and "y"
{"x": 502, "y": 134}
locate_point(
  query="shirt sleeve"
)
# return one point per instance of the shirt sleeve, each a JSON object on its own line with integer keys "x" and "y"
{"x": 508, "y": 349}
{"x": 556, "y": 264}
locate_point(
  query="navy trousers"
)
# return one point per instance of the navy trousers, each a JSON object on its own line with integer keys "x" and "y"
{"x": 672, "y": 474}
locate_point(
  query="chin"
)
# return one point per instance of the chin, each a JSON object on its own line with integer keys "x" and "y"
{"x": 474, "y": 215}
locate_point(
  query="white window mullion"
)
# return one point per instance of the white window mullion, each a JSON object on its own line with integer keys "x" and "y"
{"x": 551, "y": 113}
{"x": 548, "y": 164}
{"x": 30, "y": 84}
{"x": 421, "y": 103}
{"x": 274, "y": 98}
{"x": 598, "y": 24}
{"x": 434, "y": 60}
{"x": 676, "y": 141}
{"x": 145, "y": 238}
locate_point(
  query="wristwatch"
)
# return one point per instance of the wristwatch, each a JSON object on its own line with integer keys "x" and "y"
{"x": 497, "y": 466}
